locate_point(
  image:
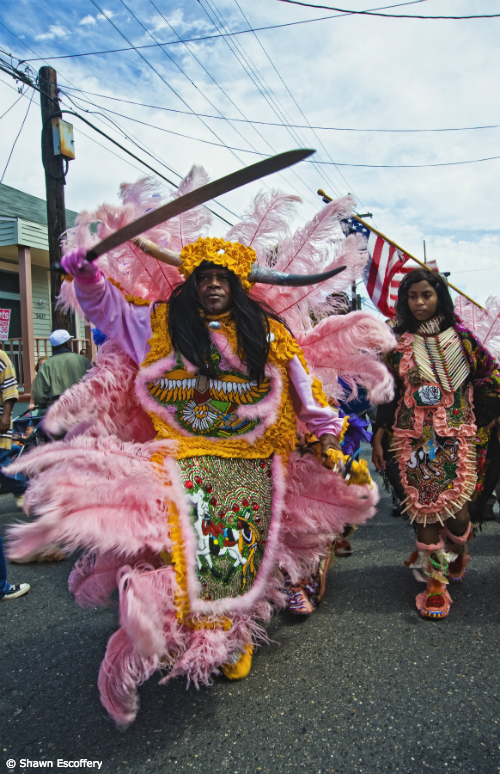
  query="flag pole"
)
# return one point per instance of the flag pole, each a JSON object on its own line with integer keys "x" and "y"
{"x": 405, "y": 252}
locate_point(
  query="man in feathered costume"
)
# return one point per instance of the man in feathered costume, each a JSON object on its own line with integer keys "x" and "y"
{"x": 178, "y": 472}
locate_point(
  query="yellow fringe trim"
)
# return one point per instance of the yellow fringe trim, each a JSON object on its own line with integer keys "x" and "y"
{"x": 232, "y": 255}
{"x": 344, "y": 429}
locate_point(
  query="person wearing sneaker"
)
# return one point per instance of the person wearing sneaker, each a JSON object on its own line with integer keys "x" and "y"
{"x": 7, "y": 590}
{"x": 448, "y": 392}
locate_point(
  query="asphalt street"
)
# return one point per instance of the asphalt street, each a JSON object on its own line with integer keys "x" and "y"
{"x": 363, "y": 685}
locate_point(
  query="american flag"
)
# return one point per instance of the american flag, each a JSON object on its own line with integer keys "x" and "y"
{"x": 385, "y": 268}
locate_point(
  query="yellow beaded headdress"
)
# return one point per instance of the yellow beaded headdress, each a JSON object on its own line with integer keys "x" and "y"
{"x": 232, "y": 255}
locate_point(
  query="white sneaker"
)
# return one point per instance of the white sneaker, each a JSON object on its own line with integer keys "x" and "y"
{"x": 17, "y": 591}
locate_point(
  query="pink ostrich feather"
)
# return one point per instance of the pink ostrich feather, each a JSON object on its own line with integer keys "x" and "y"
{"x": 311, "y": 250}
{"x": 93, "y": 578}
{"x": 484, "y": 323}
{"x": 350, "y": 346}
{"x": 138, "y": 273}
{"x": 186, "y": 228}
{"x": 122, "y": 670}
{"x": 265, "y": 224}
{"x": 103, "y": 403}
{"x": 318, "y": 505}
{"x": 98, "y": 493}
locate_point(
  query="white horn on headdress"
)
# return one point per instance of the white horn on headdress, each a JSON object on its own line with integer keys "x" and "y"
{"x": 262, "y": 274}
{"x": 268, "y": 276}
{"x": 160, "y": 253}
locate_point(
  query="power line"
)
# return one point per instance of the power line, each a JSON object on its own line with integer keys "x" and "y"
{"x": 294, "y": 100}
{"x": 296, "y": 126}
{"x": 201, "y": 38}
{"x": 247, "y": 68}
{"x": 145, "y": 164}
{"x": 412, "y": 166}
{"x": 230, "y": 148}
{"x": 196, "y": 87}
{"x": 17, "y": 136}
{"x": 388, "y": 15}
{"x": 10, "y": 108}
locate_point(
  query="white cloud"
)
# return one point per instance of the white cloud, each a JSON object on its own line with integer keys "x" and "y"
{"x": 109, "y": 14}
{"x": 55, "y": 31}
{"x": 89, "y": 19}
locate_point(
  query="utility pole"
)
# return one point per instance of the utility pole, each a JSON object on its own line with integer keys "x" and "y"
{"x": 54, "y": 186}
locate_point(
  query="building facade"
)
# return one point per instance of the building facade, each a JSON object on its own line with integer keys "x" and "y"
{"x": 25, "y": 285}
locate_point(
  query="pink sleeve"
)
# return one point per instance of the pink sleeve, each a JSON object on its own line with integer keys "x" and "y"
{"x": 127, "y": 324}
{"x": 318, "y": 419}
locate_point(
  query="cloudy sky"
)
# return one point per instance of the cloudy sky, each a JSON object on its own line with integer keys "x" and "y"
{"x": 222, "y": 101}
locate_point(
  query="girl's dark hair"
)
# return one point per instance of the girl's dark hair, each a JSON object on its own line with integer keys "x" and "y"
{"x": 406, "y": 321}
{"x": 189, "y": 334}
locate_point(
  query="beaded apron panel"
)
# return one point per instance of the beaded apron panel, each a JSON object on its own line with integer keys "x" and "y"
{"x": 208, "y": 406}
{"x": 231, "y": 508}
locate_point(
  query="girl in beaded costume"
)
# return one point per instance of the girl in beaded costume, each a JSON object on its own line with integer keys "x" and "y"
{"x": 447, "y": 386}
{"x": 177, "y": 472}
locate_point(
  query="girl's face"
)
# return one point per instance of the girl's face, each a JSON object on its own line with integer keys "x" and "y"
{"x": 422, "y": 301}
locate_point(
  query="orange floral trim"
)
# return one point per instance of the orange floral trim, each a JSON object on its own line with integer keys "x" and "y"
{"x": 128, "y": 297}
{"x": 232, "y": 255}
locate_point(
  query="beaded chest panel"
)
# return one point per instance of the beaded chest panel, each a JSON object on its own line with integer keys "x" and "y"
{"x": 231, "y": 508}
{"x": 208, "y": 405}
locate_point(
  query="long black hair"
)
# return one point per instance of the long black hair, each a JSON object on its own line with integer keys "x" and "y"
{"x": 406, "y": 321}
{"x": 189, "y": 334}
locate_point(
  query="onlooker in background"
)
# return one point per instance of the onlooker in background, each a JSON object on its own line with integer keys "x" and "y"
{"x": 39, "y": 364}
{"x": 7, "y": 590}
{"x": 8, "y": 396}
{"x": 60, "y": 372}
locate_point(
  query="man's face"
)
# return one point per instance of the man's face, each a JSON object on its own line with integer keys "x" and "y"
{"x": 214, "y": 291}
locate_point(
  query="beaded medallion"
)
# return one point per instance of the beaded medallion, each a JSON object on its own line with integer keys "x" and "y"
{"x": 231, "y": 508}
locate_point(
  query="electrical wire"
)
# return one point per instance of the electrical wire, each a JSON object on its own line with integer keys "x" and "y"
{"x": 297, "y": 126}
{"x": 199, "y": 39}
{"x": 196, "y": 87}
{"x": 223, "y": 144}
{"x": 10, "y": 108}
{"x": 17, "y": 136}
{"x": 413, "y": 166}
{"x": 295, "y": 101}
{"x": 247, "y": 68}
{"x": 388, "y": 15}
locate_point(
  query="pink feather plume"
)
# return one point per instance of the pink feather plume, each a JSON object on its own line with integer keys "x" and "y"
{"x": 484, "y": 323}
{"x": 350, "y": 346}
{"x": 265, "y": 224}
{"x": 319, "y": 504}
